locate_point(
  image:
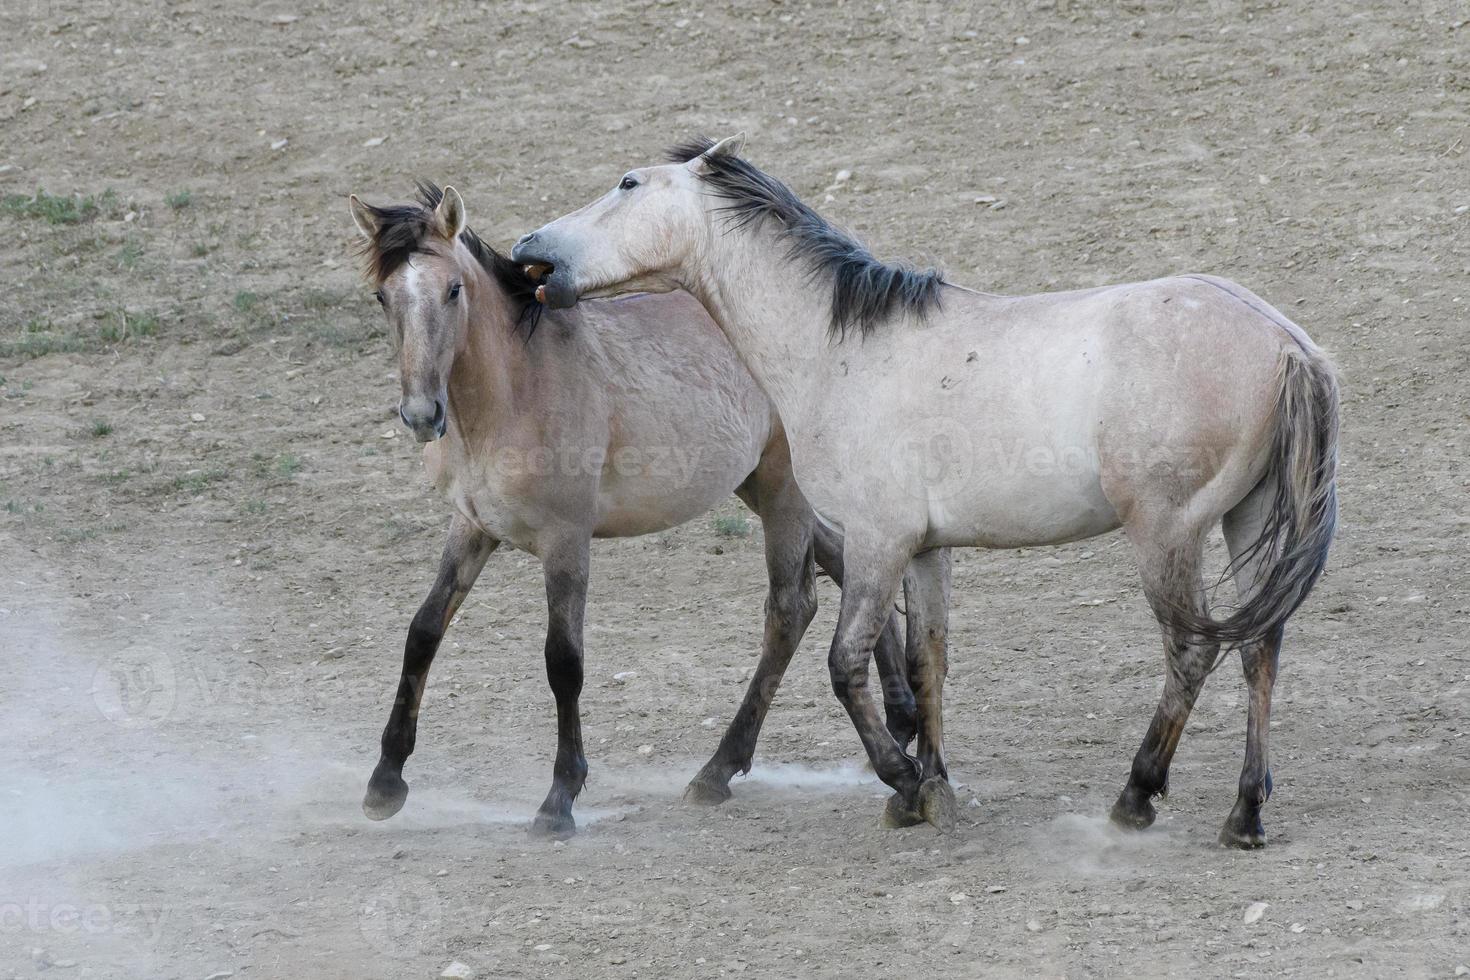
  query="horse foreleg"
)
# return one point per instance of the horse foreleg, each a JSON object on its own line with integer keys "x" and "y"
{"x": 926, "y": 599}
{"x": 790, "y": 605}
{"x": 465, "y": 554}
{"x": 565, "y": 564}
{"x": 899, "y": 709}
{"x": 873, "y": 575}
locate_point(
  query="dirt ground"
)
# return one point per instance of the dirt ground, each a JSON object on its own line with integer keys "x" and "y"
{"x": 214, "y": 533}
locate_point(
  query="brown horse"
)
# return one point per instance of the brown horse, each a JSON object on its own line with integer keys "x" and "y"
{"x": 545, "y": 431}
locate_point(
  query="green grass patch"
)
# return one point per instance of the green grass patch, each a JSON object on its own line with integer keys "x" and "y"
{"x": 245, "y": 301}
{"x": 128, "y": 255}
{"x": 101, "y": 428}
{"x": 58, "y": 209}
{"x": 127, "y": 325}
{"x": 732, "y": 527}
{"x": 288, "y": 466}
{"x": 197, "y": 481}
{"x": 179, "y": 199}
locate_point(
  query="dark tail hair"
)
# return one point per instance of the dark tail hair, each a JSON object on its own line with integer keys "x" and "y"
{"x": 1303, "y": 515}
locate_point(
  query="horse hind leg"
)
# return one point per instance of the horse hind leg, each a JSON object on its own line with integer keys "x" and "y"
{"x": 1243, "y": 525}
{"x": 791, "y": 602}
{"x": 1170, "y": 567}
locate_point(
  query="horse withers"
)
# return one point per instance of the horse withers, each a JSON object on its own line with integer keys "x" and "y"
{"x": 921, "y": 415}
{"x": 545, "y": 431}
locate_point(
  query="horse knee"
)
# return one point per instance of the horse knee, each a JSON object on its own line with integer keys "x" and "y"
{"x": 563, "y": 667}
{"x": 793, "y": 606}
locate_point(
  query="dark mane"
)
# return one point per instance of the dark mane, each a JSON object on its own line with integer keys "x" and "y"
{"x": 402, "y": 229}
{"x": 865, "y": 291}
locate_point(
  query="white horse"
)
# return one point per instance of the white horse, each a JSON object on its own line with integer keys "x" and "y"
{"x": 929, "y": 415}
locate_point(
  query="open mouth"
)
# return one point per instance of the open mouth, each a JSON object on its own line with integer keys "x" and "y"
{"x": 537, "y": 272}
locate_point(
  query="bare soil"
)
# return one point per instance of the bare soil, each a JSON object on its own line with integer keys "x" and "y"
{"x": 213, "y": 533}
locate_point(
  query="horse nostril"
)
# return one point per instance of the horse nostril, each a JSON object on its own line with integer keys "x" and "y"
{"x": 438, "y": 413}
{"x": 526, "y": 239}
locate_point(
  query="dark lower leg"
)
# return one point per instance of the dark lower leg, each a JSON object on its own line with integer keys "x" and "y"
{"x": 1188, "y": 665}
{"x": 790, "y": 606}
{"x": 464, "y": 556}
{"x": 1243, "y": 828}
{"x": 899, "y": 709}
{"x": 566, "y": 600}
{"x": 927, "y": 601}
{"x": 866, "y": 600}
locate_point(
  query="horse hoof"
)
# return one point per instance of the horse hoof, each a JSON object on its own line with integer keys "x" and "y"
{"x": 1243, "y": 835}
{"x": 706, "y": 792}
{"x": 938, "y": 806}
{"x": 385, "y": 796}
{"x": 1132, "y": 812}
{"x": 553, "y": 826}
{"x": 897, "y": 814}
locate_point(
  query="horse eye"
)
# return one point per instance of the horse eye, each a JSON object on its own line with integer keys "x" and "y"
{"x": 628, "y": 183}
{"x": 378, "y": 295}
{"x": 454, "y": 292}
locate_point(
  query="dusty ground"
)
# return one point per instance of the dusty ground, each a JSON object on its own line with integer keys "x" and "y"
{"x": 213, "y": 534}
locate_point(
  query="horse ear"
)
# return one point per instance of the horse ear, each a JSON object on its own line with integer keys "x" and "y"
{"x": 363, "y": 217}
{"x": 730, "y": 146}
{"x": 450, "y": 214}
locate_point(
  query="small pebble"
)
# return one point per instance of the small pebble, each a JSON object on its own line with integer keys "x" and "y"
{"x": 1254, "y": 911}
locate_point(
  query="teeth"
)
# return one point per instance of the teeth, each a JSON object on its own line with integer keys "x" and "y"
{"x": 536, "y": 270}
{"x": 540, "y": 294}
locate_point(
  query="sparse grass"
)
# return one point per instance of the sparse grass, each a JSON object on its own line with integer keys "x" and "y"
{"x": 76, "y": 535}
{"x": 732, "y": 527}
{"x": 197, "y": 481}
{"x": 127, "y": 325}
{"x": 200, "y": 249}
{"x": 255, "y": 507}
{"x": 288, "y": 466}
{"x": 101, "y": 428}
{"x": 322, "y": 299}
{"x": 39, "y": 337}
{"x": 245, "y": 301}
{"x": 58, "y": 209}
{"x": 128, "y": 255}
{"x": 179, "y": 199}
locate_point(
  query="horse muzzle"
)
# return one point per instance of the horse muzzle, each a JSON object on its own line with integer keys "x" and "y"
{"x": 425, "y": 417}
{"x": 545, "y": 267}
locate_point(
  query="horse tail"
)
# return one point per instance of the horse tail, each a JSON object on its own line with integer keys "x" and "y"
{"x": 1298, "y": 528}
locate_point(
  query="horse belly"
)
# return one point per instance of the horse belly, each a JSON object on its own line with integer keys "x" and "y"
{"x": 1020, "y": 511}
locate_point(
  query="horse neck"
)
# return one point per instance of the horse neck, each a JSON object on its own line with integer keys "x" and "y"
{"x": 769, "y": 309}
{"x": 483, "y": 381}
